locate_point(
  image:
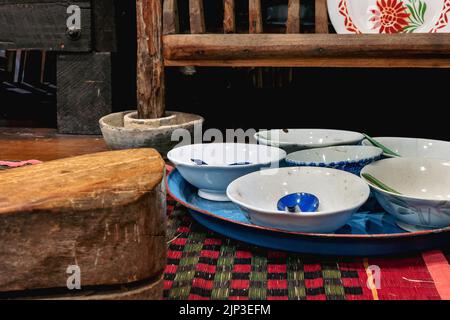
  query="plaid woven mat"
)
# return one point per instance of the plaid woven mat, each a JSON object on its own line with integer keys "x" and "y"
{"x": 204, "y": 265}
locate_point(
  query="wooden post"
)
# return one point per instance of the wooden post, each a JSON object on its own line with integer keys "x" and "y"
{"x": 150, "y": 67}
{"x": 229, "y": 22}
{"x": 293, "y": 20}
{"x": 321, "y": 16}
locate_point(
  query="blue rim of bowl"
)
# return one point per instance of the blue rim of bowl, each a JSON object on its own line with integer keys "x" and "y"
{"x": 314, "y": 235}
{"x": 327, "y": 164}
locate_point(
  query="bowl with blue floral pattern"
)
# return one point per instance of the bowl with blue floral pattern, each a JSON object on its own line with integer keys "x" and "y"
{"x": 347, "y": 158}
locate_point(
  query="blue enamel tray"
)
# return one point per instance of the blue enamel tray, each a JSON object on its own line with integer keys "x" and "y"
{"x": 370, "y": 232}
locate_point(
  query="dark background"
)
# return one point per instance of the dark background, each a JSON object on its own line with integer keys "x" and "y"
{"x": 398, "y": 102}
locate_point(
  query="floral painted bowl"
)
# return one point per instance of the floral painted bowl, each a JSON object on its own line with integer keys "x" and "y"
{"x": 415, "y": 148}
{"x": 212, "y": 167}
{"x": 348, "y": 158}
{"x": 424, "y": 187}
{"x": 389, "y": 16}
{"x": 292, "y": 140}
{"x": 340, "y": 194}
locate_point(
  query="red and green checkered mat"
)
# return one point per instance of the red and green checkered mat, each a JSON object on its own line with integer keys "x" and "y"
{"x": 203, "y": 265}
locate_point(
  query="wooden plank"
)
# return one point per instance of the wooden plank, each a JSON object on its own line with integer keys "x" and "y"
{"x": 103, "y": 212}
{"x": 104, "y": 26}
{"x": 197, "y": 16}
{"x": 42, "y": 25}
{"x": 321, "y": 16}
{"x": 293, "y": 19}
{"x": 282, "y": 46}
{"x": 171, "y": 24}
{"x": 229, "y": 20}
{"x": 150, "y": 67}
{"x": 319, "y": 62}
{"x": 255, "y": 16}
{"x": 84, "y": 92}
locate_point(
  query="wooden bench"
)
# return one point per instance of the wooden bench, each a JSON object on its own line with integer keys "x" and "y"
{"x": 161, "y": 45}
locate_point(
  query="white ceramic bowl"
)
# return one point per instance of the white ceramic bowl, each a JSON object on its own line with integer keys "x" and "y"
{"x": 340, "y": 194}
{"x": 425, "y": 188}
{"x": 299, "y": 139}
{"x": 348, "y": 158}
{"x": 415, "y": 148}
{"x": 213, "y": 179}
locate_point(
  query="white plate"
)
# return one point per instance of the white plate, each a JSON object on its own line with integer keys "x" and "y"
{"x": 415, "y": 148}
{"x": 299, "y": 139}
{"x": 389, "y": 16}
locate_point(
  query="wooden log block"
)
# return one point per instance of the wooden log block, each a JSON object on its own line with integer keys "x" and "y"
{"x": 84, "y": 92}
{"x": 293, "y": 19}
{"x": 229, "y": 20}
{"x": 321, "y": 16}
{"x": 196, "y": 16}
{"x": 104, "y": 213}
{"x": 171, "y": 23}
{"x": 150, "y": 65}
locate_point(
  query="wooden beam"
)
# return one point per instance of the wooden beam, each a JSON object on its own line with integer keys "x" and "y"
{"x": 282, "y": 46}
{"x": 171, "y": 24}
{"x": 254, "y": 16}
{"x": 150, "y": 68}
{"x": 229, "y": 21}
{"x": 293, "y": 19}
{"x": 321, "y": 16}
{"x": 196, "y": 16}
{"x": 319, "y": 62}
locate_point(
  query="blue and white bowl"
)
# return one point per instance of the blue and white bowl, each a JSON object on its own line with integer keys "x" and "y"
{"x": 340, "y": 194}
{"x": 424, "y": 187}
{"x": 348, "y": 158}
{"x": 212, "y": 167}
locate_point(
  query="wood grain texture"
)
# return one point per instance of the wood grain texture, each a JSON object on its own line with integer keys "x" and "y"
{"x": 229, "y": 20}
{"x": 171, "y": 23}
{"x": 150, "y": 68}
{"x": 321, "y": 10}
{"x": 84, "y": 92}
{"x": 104, "y": 212}
{"x": 293, "y": 19}
{"x": 255, "y": 16}
{"x": 42, "y": 25}
{"x": 45, "y": 144}
{"x": 296, "y": 46}
{"x": 197, "y": 16}
{"x": 318, "y": 62}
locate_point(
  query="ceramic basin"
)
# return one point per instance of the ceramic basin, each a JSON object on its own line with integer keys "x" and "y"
{"x": 424, "y": 185}
{"x": 293, "y": 140}
{"x": 340, "y": 194}
{"x": 415, "y": 148}
{"x": 348, "y": 158}
{"x": 220, "y": 170}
